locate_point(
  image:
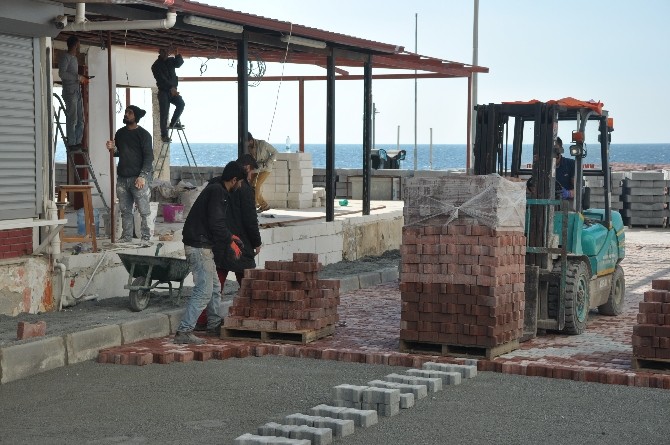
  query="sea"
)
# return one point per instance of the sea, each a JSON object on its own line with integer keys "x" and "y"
{"x": 437, "y": 157}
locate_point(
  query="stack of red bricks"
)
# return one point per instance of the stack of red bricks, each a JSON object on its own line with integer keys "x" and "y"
{"x": 286, "y": 296}
{"x": 651, "y": 336}
{"x": 462, "y": 281}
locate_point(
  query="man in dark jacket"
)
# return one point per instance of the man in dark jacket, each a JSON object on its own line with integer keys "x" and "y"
{"x": 207, "y": 241}
{"x": 132, "y": 144}
{"x": 241, "y": 220}
{"x": 167, "y": 81}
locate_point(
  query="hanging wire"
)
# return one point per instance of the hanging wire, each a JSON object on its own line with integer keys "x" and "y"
{"x": 281, "y": 78}
{"x": 119, "y": 105}
{"x": 203, "y": 66}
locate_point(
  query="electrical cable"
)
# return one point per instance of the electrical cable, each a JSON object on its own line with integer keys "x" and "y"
{"x": 281, "y": 78}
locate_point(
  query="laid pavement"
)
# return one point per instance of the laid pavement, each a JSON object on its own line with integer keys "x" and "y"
{"x": 368, "y": 333}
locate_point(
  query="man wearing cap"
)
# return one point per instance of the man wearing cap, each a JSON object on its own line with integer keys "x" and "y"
{"x": 132, "y": 145}
{"x": 565, "y": 171}
{"x": 68, "y": 70}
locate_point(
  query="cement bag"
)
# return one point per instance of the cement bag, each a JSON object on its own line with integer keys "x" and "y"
{"x": 187, "y": 197}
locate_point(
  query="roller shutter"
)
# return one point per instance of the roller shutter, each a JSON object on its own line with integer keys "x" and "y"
{"x": 20, "y": 184}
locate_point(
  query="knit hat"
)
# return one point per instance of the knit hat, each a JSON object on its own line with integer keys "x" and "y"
{"x": 138, "y": 112}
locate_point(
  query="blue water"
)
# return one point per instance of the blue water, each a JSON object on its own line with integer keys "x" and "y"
{"x": 444, "y": 156}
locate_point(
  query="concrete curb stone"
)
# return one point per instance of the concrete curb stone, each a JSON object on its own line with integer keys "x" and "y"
{"x": 27, "y": 359}
{"x": 157, "y": 325}
{"x": 84, "y": 345}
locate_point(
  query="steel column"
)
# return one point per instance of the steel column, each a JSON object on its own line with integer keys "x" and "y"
{"x": 330, "y": 137}
{"x": 242, "y": 94}
{"x": 301, "y": 115}
{"x": 367, "y": 133}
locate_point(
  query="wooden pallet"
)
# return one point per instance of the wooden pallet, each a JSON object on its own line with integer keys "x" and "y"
{"x": 298, "y": 337}
{"x": 420, "y": 347}
{"x": 651, "y": 364}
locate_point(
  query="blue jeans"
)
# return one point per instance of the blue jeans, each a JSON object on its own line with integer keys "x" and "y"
{"x": 74, "y": 115}
{"x": 128, "y": 195}
{"x": 206, "y": 290}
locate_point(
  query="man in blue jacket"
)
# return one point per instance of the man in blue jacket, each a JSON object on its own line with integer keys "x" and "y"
{"x": 167, "y": 81}
{"x": 207, "y": 242}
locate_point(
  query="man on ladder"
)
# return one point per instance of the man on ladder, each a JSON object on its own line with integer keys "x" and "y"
{"x": 166, "y": 81}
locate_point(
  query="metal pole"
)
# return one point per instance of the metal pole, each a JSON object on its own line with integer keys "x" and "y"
{"x": 301, "y": 114}
{"x": 330, "y": 137}
{"x": 475, "y": 61}
{"x": 242, "y": 94}
{"x": 112, "y": 187}
{"x": 374, "y": 125}
{"x": 431, "y": 148}
{"x": 397, "y": 145}
{"x": 367, "y": 143}
{"x": 416, "y": 50}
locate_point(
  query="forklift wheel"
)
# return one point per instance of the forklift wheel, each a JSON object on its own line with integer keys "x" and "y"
{"x": 614, "y": 305}
{"x": 576, "y": 298}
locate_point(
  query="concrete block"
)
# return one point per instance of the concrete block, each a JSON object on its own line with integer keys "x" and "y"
{"x": 174, "y": 316}
{"x": 388, "y": 410}
{"x": 23, "y": 360}
{"x": 85, "y": 345}
{"x": 151, "y": 327}
{"x": 316, "y": 436}
{"x": 352, "y": 393}
{"x": 406, "y": 400}
{"x": 340, "y": 427}
{"x": 361, "y": 417}
{"x": 432, "y": 384}
{"x": 386, "y": 396}
{"x": 349, "y": 283}
{"x": 389, "y": 274}
{"x": 419, "y": 391}
{"x": 448, "y": 378}
{"x": 467, "y": 370}
{"x": 252, "y": 439}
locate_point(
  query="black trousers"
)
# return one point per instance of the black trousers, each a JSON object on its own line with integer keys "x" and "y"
{"x": 164, "y": 101}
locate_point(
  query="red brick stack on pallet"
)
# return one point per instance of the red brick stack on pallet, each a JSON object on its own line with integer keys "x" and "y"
{"x": 651, "y": 336}
{"x": 463, "y": 265}
{"x": 286, "y": 296}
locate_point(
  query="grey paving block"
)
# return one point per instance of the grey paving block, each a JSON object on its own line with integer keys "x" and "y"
{"x": 432, "y": 384}
{"x": 348, "y": 392}
{"x": 361, "y": 417}
{"x": 389, "y": 274}
{"x": 85, "y": 345}
{"x": 406, "y": 400}
{"x": 448, "y": 378}
{"x": 646, "y": 176}
{"x": 340, "y": 427}
{"x": 418, "y": 391}
{"x": 26, "y": 359}
{"x": 154, "y": 326}
{"x": 252, "y": 439}
{"x": 386, "y": 396}
{"x": 467, "y": 371}
{"x": 347, "y": 404}
{"x": 316, "y": 436}
{"x": 348, "y": 284}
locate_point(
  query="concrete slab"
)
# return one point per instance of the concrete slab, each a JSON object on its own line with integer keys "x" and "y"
{"x": 84, "y": 345}
{"x": 19, "y": 361}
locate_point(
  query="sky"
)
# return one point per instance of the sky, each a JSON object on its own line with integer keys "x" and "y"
{"x": 615, "y": 51}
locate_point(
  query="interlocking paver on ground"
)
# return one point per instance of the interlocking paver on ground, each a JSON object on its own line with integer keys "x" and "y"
{"x": 370, "y": 320}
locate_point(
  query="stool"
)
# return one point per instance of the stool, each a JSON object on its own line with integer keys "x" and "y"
{"x": 89, "y": 221}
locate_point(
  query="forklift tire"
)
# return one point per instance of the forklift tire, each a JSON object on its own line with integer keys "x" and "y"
{"x": 614, "y": 304}
{"x": 576, "y": 298}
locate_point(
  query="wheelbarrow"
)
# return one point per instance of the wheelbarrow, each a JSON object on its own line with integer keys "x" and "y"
{"x": 150, "y": 272}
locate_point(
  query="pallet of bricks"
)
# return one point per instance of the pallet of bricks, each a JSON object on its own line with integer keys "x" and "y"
{"x": 285, "y": 302}
{"x": 596, "y": 185}
{"x": 463, "y": 265}
{"x": 645, "y": 198}
{"x": 651, "y": 336}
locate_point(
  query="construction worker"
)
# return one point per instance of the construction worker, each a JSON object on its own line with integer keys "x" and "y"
{"x": 265, "y": 155}
{"x": 68, "y": 70}
{"x": 166, "y": 81}
{"x": 207, "y": 242}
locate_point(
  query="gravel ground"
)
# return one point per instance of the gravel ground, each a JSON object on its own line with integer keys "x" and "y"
{"x": 89, "y": 314}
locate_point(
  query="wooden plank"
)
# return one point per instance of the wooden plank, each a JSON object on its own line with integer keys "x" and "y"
{"x": 658, "y": 365}
{"x": 297, "y": 337}
{"x": 417, "y": 347}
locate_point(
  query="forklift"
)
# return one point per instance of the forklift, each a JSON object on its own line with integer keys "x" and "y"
{"x": 573, "y": 252}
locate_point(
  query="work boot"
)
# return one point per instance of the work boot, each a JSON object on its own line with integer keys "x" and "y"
{"x": 216, "y": 330}
{"x": 187, "y": 338}
{"x": 176, "y": 126}
{"x": 166, "y": 139}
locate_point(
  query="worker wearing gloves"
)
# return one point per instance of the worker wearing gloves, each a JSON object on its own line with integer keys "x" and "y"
{"x": 207, "y": 241}
{"x": 265, "y": 155}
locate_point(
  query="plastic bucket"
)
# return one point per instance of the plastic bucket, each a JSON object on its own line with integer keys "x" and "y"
{"x": 81, "y": 221}
{"x": 173, "y": 213}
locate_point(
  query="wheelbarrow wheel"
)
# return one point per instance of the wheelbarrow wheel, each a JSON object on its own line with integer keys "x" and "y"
{"x": 139, "y": 299}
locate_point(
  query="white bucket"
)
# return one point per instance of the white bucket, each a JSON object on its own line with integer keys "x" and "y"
{"x": 151, "y": 219}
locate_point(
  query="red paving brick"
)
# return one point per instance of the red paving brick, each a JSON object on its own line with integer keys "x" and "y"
{"x": 370, "y": 325}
